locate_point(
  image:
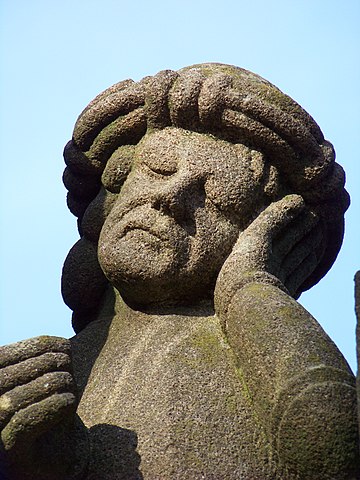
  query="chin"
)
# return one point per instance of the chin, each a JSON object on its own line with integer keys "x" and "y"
{"x": 170, "y": 290}
{"x": 148, "y": 273}
{"x": 140, "y": 280}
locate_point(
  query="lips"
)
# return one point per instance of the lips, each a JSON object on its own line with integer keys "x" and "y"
{"x": 137, "y": 224}
{"x": 145, "y": 218}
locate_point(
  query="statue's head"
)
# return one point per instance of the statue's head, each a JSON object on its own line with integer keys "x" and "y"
{"x": 165, "y": 173}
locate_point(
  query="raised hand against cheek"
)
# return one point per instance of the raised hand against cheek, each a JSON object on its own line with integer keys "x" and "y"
{"x": 281, "y": 247}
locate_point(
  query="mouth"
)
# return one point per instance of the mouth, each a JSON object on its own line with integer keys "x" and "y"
{"x": 143, "y": 228}
{"x": 152, "y": 222}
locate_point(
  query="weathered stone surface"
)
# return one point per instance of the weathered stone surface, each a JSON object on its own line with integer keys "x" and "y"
{"x": 357, "y": 311}
{"x": 207, "y": 202}
{"x": 170, "y": 392}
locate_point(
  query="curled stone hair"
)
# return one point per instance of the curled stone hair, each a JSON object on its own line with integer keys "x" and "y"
{"x": 228, "y": 102}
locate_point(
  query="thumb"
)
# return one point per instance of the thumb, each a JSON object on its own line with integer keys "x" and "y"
{"x": 275, "y": 217}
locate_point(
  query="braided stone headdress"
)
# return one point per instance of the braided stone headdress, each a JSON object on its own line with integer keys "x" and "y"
{"x": 228, "y": 102}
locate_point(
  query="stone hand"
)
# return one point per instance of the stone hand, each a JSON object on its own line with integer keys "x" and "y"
{"x": 37, "y": 395}
{"x": 281, "y": 246}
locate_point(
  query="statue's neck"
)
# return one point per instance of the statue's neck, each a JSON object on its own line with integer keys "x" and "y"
{"x": 113, "y": 306}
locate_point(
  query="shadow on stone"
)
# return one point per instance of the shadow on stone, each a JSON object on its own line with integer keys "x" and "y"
{"x": 114, "y": 454}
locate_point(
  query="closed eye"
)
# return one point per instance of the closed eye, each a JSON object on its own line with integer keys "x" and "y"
{"x": 159, "y": 171}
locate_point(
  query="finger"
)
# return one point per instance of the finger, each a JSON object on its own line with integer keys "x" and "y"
{"x": 253, "y": 247}
{"x": 312, "y": 242}
{"x": 295, "y": 231}
{"x": 32, "y": 347}
{"x": 34, "y": 420}
{"x": 304, "y": 270}
{"x": 23, "y": 372}
{"x": 24, "y": 395}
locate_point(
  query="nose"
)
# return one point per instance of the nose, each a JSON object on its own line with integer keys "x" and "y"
{"x": 179, "y": 196}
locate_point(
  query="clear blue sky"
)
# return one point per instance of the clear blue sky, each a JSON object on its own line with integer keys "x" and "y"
{"x": 57, "y": 55}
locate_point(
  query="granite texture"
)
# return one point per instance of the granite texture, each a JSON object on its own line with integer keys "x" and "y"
{"x": 207, "y": 202}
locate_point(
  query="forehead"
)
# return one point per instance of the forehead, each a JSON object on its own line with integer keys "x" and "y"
{"x": 178, "y": 147}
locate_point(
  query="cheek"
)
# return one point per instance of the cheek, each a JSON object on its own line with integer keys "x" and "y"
{"x": 135, "y": 191}
{"x": 107, "y": 204}
{"x": 236, "y": 197}
{"x": 215, "y": 236}
{"x": 96, "y": 214}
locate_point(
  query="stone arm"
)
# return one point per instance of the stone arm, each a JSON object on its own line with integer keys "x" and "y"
{"x": 300, "y": 387}
{"x": 41, "y": 436}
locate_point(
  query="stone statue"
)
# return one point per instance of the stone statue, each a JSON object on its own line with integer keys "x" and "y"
{"x": 207, "y": 201}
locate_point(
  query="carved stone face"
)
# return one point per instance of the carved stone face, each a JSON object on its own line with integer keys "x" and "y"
{"x": 178, "y": 216}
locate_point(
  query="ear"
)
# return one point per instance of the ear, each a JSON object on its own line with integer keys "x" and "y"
{"x": 266, "y": 173}
{"x": 271, "y": 182}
